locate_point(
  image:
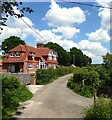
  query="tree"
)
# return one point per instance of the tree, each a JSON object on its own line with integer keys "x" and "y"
{"x": 63, "y": 55}
{"x": 78, "y": 58}
{"x": 7, "y": 8}
{"x": 11, "y": 42}
{"x": 75, "y": 56}
{"x": 107, "y": 60}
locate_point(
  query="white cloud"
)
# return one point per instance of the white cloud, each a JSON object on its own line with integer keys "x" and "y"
{"x": 16, "y": 27}
{"x": 93, "y": 49}
{"x": 50, "y": 36}
{"x": 99, "y": 35}
{"x": 104, "y": 3}
{"x": 105, "y": 18}
{"x": 95, "y": 58}
{"x": 67, "y": 32}
{"x": 58, "y": 16}
{"x": 104, "y": 13}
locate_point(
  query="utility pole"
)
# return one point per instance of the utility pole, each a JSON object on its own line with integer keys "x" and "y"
{"x": 73, "y": 59}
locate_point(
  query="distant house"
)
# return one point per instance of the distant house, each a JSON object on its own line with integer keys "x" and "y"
{"x": 27, "y": 59}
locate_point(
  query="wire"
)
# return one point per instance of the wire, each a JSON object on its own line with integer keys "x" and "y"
{"x": 33, "y": 29}
{"x": 92, "y": 5}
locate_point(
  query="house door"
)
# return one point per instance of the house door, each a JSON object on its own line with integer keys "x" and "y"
{"x": 17, "y": 68}
{"x": 12, "y": 68}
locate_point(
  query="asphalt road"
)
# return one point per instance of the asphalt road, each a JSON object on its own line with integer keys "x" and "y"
{"x": 55, "y": 100}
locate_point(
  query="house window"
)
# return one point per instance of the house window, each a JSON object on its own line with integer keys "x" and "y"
{"x": 54, "y": 58}
{"x": 30, "y": 58}
{"x": 50, "y": 57}
{"x": 17, "y": 54}
{"x": 30, "y": 66}
{"x": 12, "y": 54}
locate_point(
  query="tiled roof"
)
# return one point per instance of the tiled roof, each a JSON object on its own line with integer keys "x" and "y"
{"x": 43, "y": 51}
{"x": 39, "y": 52}
{"x": 14, "y": 60}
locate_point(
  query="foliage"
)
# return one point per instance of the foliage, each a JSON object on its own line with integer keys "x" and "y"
{"x": 107, "y": 60}
{"x": 12, "y": 93}
{"x": 87, "y": 78}
{"x": 84, "y": 81}
{"x": 78, "y": 58}
{"x": 75, "y": 56}
{"x": 101, "y": 110}
{"x": 7, "y": 8}
{"x": 11, "y": 42}
{"x": 45, "y": 76}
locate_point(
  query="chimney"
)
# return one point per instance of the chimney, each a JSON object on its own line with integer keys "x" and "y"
{"x": 39, "y": 45}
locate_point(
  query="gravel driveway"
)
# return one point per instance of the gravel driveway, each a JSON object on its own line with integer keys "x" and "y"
{"x": 54, "y": 100}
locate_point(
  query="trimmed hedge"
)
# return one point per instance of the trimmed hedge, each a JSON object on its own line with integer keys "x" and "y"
{"x": 45, "y": 76}
{"x": 102, "y": 110}
{"x": 12, "y": 94}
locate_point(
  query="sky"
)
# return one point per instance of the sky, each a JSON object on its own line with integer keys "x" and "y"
{"x": 65, "y": 23}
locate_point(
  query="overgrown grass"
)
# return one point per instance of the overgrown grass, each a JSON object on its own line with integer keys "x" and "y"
{"x": 102, "y": 110}
{"x": 12, "y": 94}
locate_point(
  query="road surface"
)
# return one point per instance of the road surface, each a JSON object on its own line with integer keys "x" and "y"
{"x": 54, "y": 100}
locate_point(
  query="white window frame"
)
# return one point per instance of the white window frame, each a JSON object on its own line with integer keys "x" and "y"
{"x": 17, "y": 54}
{"x": 50, "y": 57}
{"x": 30, "y": 66}
{"x": 54, "y": 58}
{"x": 12, "y": 54}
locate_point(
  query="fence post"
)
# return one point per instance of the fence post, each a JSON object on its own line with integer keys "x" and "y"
{"x": 94, "y": 92}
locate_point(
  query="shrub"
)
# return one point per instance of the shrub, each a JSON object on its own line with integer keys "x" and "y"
{"x": 45, "y": 76}
{"x": 101, "y": 110}
{"x": 12, "y": 93}
{"x": 84, "y": 81}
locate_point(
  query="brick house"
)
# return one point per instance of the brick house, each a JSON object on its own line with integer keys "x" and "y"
{"x": 26, "y": 59}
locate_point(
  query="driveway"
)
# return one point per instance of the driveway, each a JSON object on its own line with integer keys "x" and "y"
{"x": 55, "y": 100}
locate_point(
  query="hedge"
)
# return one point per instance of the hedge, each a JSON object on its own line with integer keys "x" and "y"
{"x": 45, "y": 76}
{"x": 84, "y": 81}
{"x": 12, "y": 94}
{"x": 88, "y": 78}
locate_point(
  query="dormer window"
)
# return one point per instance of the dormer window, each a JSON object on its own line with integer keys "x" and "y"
{"x": 17, "y": 54}
{"x": 50, "y": 56}
{"x": 12, "y": 54}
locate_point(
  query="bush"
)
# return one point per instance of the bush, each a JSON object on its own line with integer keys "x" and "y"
{"x": 84, "y": 81}
{"x": 12, "y": 93}
{"x": 45, "y": 76}
{"x": 101, "y": 110}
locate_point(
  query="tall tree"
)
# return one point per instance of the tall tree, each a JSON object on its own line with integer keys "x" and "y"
{"x": 11, "y": 42}
{"x": 78, "y": 58}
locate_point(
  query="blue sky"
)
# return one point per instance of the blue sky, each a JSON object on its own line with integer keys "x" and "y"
{"x": 68, "y": 24}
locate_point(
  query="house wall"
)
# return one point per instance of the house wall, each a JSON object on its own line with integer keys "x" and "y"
{"x": 52, "y": 65}
{"x": 26, "y": 68}
{"x": 4, "y": 67}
